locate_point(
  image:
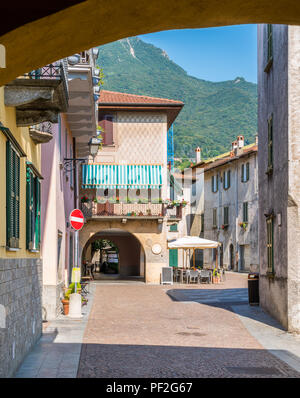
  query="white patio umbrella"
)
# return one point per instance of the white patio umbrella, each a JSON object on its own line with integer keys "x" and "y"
{"x": 193, "y": 242}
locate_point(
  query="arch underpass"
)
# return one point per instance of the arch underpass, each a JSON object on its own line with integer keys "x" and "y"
{"x": 131, "y": 254}
{"x": 90, "y": 23}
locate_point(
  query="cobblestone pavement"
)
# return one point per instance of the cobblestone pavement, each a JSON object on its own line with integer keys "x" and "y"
{"x": 175, "y": 331}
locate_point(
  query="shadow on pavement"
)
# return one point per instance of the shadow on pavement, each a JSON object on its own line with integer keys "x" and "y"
{"x": 226, "y": 299}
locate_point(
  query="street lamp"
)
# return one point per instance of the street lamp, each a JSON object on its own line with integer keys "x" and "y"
{"x": 69, "y": 164}
{"x": 94, "y": 145}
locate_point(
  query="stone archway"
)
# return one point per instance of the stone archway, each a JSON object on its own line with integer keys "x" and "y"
{"x": 91, "y": 23}
{"x": 154, "y": 261}
{"x": 130, "y": 252}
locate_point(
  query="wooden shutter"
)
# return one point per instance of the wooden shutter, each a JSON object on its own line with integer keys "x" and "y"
{"x": 173, "y": 257}
{"x": 228, "y": 178}
{"x": 9, "y": 196}
{"x": 38, "y": 213}
{"x": 242, "y": 175}
{"x": 247, "y": 172}
{"x": 12, "y": 197}
{"x": 107, "y": 124}
{"x": 29, "y": 209}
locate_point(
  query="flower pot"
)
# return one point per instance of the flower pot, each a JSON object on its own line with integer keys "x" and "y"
{"x": 216, "y": 279}
{"x": 66, "y": 304}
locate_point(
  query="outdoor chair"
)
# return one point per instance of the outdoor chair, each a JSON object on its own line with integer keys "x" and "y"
{"x": 205, "y": 274}
{"x": 193, "y": 276}
{"x": 176, "y": 274}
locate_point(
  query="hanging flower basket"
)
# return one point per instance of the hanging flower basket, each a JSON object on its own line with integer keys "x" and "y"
{"x": 244, "y": 225}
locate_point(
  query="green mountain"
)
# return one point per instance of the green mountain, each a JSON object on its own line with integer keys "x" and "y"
{"x": 214, "y": 113}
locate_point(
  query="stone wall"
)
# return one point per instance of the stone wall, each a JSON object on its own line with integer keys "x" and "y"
{"x": 20, "y": 295}
{"x": 273, "y": 98}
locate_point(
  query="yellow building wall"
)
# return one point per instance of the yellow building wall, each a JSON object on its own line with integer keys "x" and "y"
{"x": 33, "y": 154}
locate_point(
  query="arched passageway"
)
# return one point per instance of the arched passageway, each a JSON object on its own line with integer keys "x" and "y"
{"x": 91, "y": 23}
{"x": 122, "y": 248}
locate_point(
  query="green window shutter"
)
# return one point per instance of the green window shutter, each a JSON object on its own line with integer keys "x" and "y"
{"x": 247, "y": 172}
{"x": 29, "y": 209}
{"x": 212, "y": 184}
{"x": 242, "y": 175}
{"x": 12, "y": 197}
{"x": 9, "y": 195}
{"x": 245, "y": 212}
{"x": 38, "y": 213}
{"x": 226, "y": 215}
{"x": 224, "y": 176}
{"x": 17, "y": 197}
{"x": 173, "y": 228}
{"x": 270, "y": 142}
{"x": 217, "y": 182}
{"x": 228, "y": 178}
{"x": 202, "y": 222}
{"x": 173, "y": 257}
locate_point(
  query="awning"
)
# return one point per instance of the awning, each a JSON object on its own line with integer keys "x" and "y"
{"x": 121, "y": 176}
{"x": 193, "y": 242}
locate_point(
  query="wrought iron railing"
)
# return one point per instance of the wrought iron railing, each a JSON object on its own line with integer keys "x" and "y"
{"x": 45, "y": 127}
{"x": 57, "y": 71}
{"x": 93, "y": 209}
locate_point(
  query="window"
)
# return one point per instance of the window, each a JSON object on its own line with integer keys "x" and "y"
{"x": 270, "y": 42}
{"x": 214, "y": 183}
{"x": 270, "y": 245}
{"x": 245, "y": 212}
{"x": 12, "y": 197}
{"x": 202, "y": 223}
{"x": 214, "y": 218}
{"x": 245, "y": 172}
{"x": 173, "y": 228}
{"x": 33, "y": 211}
{"x": 226, "y": 179}
{"x": 269, "y": 47}
{"x": 106, "y": 122}
{"x": 270, "y": 145}
{"x": 226, "y": 215}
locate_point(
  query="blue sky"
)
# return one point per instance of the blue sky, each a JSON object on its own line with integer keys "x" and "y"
{"x": 214, "y": 54}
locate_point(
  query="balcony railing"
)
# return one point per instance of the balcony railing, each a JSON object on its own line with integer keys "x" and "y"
{"x": 41, "y": 133}
{"x": 57, "y": 71}
{"x": 146, "y": 210}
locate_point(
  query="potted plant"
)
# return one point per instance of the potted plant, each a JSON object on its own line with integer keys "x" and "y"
{"x": 148, "y": 212}
{"x": 216, "y": 276}
{"x": 66, "y": 300}
{"x": 141, "y": 213}
{"x": 244, "y": 225}
{"x": 84, "y": 199}
{"x": 184, "y": 203}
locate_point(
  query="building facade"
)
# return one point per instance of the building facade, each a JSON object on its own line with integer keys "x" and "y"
{"x": 279, "y": 182}
{"x": 125, "y": 187}
{"x": 224, "y": 207}
{"x": 70, "y": 140}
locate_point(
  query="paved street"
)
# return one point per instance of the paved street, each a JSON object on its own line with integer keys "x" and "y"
{"x": 137, "y": 330}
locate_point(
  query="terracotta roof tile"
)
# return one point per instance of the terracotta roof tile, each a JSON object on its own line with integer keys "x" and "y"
{"x": 113, "y": 97}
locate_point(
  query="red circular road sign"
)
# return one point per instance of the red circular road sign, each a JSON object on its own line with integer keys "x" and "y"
{"x": 76, "y": 219}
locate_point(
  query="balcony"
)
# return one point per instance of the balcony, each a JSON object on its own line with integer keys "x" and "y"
{"x": 41, "y": 133}
{"x": 40, "y": 95}
{"x": 137, "y": 211}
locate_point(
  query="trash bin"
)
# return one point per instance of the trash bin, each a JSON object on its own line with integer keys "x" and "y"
{"x": 253, "y": 288}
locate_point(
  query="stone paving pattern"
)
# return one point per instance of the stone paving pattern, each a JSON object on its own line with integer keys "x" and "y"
{"x": 142, "y": 331}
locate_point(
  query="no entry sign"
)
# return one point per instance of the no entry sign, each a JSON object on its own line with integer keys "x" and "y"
{"x": 76, "y": 219}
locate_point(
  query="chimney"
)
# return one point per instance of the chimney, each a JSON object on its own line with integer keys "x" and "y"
{"x": 240, "y": 141}
{"x": 234, "y": 145}
{"x": 198, "y": 154}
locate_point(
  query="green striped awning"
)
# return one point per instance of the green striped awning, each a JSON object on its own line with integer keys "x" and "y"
{"x": 121, "y": 176}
